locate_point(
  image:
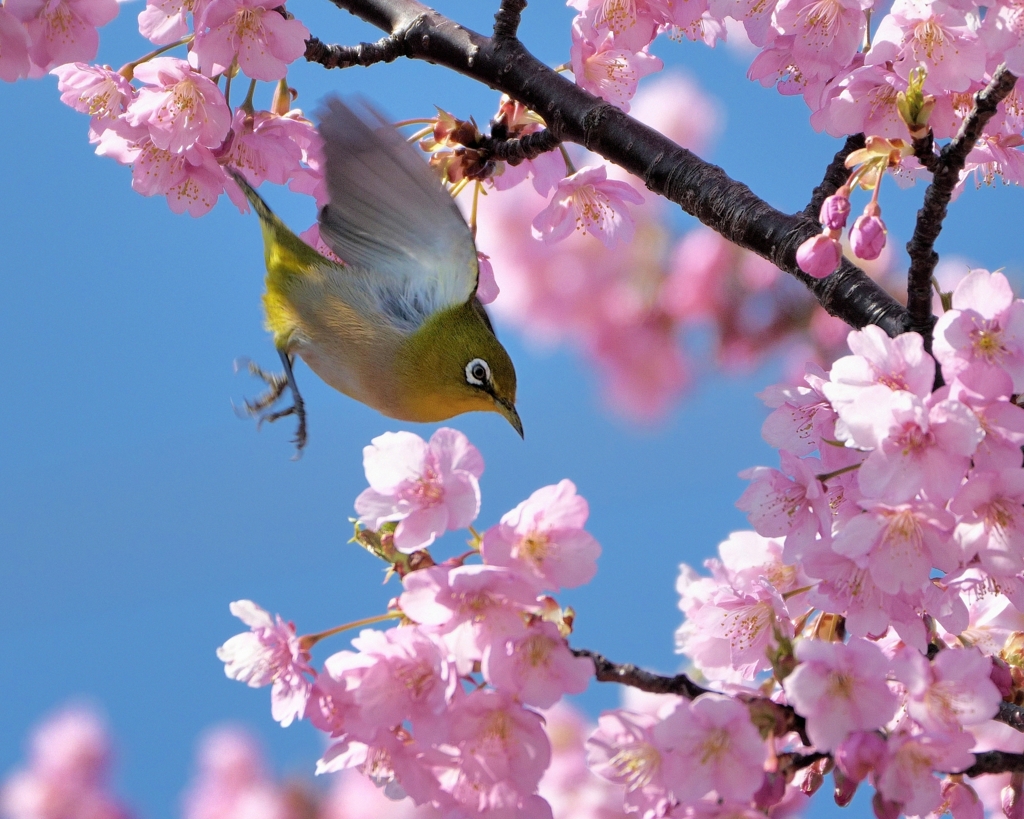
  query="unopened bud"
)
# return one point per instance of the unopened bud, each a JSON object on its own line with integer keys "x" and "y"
{"x": 867, "y": 236}
{"x": 914, "y": 106}
{"x": 819, "y": 255}
{"x": 835, "y": 209}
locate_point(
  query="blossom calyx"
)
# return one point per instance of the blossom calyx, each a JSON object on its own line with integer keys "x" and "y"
{"x": 914, "y": 106}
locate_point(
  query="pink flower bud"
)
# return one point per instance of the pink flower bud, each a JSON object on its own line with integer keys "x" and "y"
{"x": 1001, "y": 677}
{"x": 867, "y": 236}
{"x": 819, "y": 255}
{"x": 885, "y": 809}
{"x": 1012, "y": 804}
{"x": 835, "y": 209}
{"x": 772, "y": 789}
{"x": 845, "y": 789}
{"x": 860, "y": 753}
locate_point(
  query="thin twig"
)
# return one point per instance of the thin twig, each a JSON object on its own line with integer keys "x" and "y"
{"x": 993, "y": 762}
{"x": 924, "y": 150}
{"x": 572, "y": 114}
{"x": 835, "y": 177}
{"x": 513, "y": 151}
{"x": 930, "y": 217}
{"x": 627, "y": 674}
{"x": 385, "y": 50}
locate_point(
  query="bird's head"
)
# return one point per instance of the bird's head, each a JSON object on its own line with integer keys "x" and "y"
{"x": 453, "y": 364}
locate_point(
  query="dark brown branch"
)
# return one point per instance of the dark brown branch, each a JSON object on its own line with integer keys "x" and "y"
{"x": 607, "y": 671}
{"x": 513, "y": 151}
{"x": 950, "y": 163}
{"x": 385, "y": 50}
{"x": 835, "y": 177}
{"x": 701, "y": 189}
{"x": 993, "y": 762}
{"x": 1010, "y": 714}
{"x": 506, "y": 21}
{"x": 924, "y": 150}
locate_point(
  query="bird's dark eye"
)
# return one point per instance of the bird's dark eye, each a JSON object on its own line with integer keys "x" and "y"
{"x": 478, "y": 373}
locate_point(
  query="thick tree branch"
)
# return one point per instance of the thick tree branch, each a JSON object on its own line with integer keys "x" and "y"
{"x": 947, "y": 168}
{"x": 1012, "y": 715}
{"x": 835, "y": 177}
{"x": 572, "y": 114}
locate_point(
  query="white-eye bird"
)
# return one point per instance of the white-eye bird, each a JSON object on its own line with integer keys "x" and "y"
{"x": 398, "y": 326}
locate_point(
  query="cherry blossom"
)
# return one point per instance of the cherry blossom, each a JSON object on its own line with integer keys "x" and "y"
{"x": 252, "y": 31}
{"x": 711, "y": 745}
{"x": 589, "y": 202}
{"x": 428, "y": 488}
{"x": 98, "y": 91}
{"x": 622, "y": 750}
{"x": 59, "y": 31}
{"x": 544, "y": 537}
{"x": 14, "y": 44}
{"x": 840, "y": 688}
{"x": 538, "y": 667}
{"x": 606, "y": 69}
{"x": 164, "y": 21}
{"x": 269, "y": 654}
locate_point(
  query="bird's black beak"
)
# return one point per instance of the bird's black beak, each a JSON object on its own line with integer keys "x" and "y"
{"x": 508, "y": 409}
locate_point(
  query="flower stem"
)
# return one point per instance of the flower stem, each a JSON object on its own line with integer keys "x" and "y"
{"x": 128, "y": 70}
{"x": 309, "y": 640}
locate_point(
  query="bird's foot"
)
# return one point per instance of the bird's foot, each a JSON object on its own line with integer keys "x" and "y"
{"x": 260, "y": 407}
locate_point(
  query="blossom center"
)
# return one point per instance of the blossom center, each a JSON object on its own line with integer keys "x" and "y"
{"x": 618, "y": 15}
{"x": 824, "y": 16}
{"x": 931, "y": 38}
{"x": 636, "y": 765}
{"x": 840, "y": 684}
{"x": 714, "y": 745}
{"x": 534, "y": 547}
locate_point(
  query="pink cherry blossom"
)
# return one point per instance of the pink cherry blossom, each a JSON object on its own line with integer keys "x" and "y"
{"x": 92, "y": 89}
{"x": 991, "y": 525}
{"x": 60, "y": 31}
{"x": 802, "y": 416}
{"x": 632, "y": 23}
{"x": 710, "y": 744}
{"x": 537, "y": 668}
{"x": 917, "y": 445}
{"x": 269, "y": 654}
{"x": 267, "y": 147}
{"x": 897, "y": 363}
{"x": 14, "y": 44}
{"x": 840, "y": 689}
{"x": 796, "y": 507}
{"x": 591, "y": 203}
{"x": 828, "y": 32}
{"x": 985, "y": 328}
{"x": 952, "y": 691}
{"x": 500, "y": 753}
{"x": 179, "y": 107}
{"x": 934, "y": 34}
{"x": 472, "y": 607}
{"x": 622, "y": 750}
{"x": 860, "y": 753}
{"x": 987, "y": 391}
{"x": 606, "y": 69}
{"x": 863, "y": 100}
{"x": 899, "y": 545}
{"x": 675, "y": 105}
{"x": 544, "y": 537}
{"x": 164, "y": 21}
{"x": 819, "y": 256}
{"x": 252, "y": 31}
{"x": 428, "y": 488}
{"x": 907, "y": 776}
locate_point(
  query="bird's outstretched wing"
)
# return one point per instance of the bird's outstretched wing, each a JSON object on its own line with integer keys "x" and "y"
{"x": 389, "y": 216}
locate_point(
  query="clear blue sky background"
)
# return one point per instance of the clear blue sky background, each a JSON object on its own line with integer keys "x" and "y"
{"x": 134, "y": 504}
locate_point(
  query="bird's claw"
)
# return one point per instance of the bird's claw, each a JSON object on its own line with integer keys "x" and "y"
{"x": 277, "y": 383}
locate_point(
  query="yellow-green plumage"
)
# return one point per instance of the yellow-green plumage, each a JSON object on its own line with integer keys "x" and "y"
{"x": 398, "y": 327}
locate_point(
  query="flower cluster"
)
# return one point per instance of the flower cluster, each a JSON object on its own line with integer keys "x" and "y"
{"x": 880, "y": 596}
{"x": 441, "y": 707}
{"x": 177, "y": 129}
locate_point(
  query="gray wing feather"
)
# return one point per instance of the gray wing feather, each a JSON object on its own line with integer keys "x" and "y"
{"x": 389, "y": 215}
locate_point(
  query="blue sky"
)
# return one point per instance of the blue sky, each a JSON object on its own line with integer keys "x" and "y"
{"x": 136, "y": 505}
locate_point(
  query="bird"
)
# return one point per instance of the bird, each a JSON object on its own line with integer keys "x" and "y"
{"x": 396, "y": 325}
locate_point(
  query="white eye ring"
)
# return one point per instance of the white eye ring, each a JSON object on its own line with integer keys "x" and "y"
{"x": 478, "y": 373}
